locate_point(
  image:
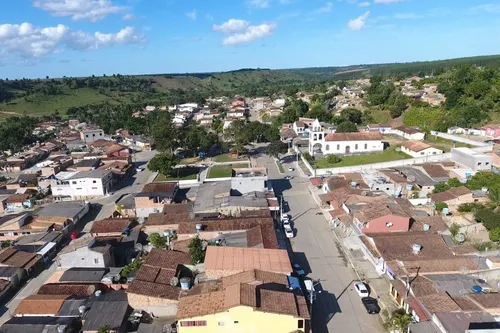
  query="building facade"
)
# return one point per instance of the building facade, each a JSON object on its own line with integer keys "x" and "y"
{"x": 344, "y": 143}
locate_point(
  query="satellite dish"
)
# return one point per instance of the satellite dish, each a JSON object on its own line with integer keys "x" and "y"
{"x": 460, "y": 238}
{"x": 174, "y": 281}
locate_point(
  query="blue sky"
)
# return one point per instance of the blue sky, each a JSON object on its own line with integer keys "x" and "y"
{"x": 84, "y": 37}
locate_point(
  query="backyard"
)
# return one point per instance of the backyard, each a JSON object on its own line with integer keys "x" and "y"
{"x": 442, "y": 143}
{"x": 186, "y": 173}
{"x": 222, "y": 158}
{"x": 390, "y": 154}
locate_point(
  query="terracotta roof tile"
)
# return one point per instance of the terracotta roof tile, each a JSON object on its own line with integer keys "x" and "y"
{"x": 160, "y": 187}
{"x": 254, "y": 236}
{"x": 422, "y": 314}
{"x": 109, "y": 226}
{"x": 450, "y": 194}
{"x": 439, "y": 303}
{"x": 165, "y": 276}
{"x": 152, "y": 289}
{"x": 408, "y": 130}
{"x": 487, "y": 301}
{"x": 166, "y": 259}
{"x": 465, "y": 303}
{"x": 370, "y": 212}
{"x": 435, "y": 170}
{"x": 147, "y": 273}
{"x": 40, "y": 305}
{"x": 172, "y": 214}
{"x": 255, "y": 276}
{"x": 415, "y": 145}
{"x": 68, "y": 289}
{"x": 355, "y": 136}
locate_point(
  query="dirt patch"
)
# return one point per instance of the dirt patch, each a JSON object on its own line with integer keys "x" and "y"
{"x": 9, "y": 112}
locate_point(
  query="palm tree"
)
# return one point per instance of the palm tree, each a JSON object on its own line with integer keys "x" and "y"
{"x": 401, "y": 320}
{"x": 494, "y": 195}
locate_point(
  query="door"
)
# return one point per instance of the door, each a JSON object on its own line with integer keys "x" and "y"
{"x": 347, "y": 149}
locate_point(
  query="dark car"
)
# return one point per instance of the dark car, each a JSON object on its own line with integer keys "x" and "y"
{"x": 371, "y": 305}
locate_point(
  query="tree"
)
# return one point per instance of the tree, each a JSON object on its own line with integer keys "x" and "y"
{"x": 488, "y": 218}
{"x": 196, "y": 251}
{"x": 332, "y": 159}
{"x": 238, "y": 134}
{"x": 454, "y": 182}
{"x": 494, "y": 196}
{"x": 353, "y": 115}
{"x": 346, "y": 127}
{"x": 483, "y": 179}
{"x": 400, "y": 320}
{"x": 495, "y": 235}
{"x": 158, "y": 241}
{"x": 454, "y": 229}
{"x": 440, "y": 206}
{"x": 104, "y": 329}
{"x": 276, "y": 148}
{"x": 163, "y": 163}
{"x": 441, "y": 187}
{"x": 164, "y": 133}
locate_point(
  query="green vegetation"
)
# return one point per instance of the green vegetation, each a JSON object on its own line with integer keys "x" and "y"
{"x": 132, "y": 267}
{"x": 277, "y": 148}
{"x": 227, "y": 157}
{"x": 158, "y": 241}
{"x": 440, "y": 206}
{"x": 196, "y": 251}
{"x": 443, "y": 144}
{"x": 222, "y": 171}
{"x": 280, "y": 167}
{"x": 387, "y": 155}
{"x": 346, "y": 126}
{"x": 181, "y": 173}
{"x": 469, "y": 207}
{"x": 385, "y": 95}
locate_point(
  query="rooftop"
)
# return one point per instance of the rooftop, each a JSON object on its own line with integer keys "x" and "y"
{"x": 172, "y": 214}
{"x": 68, "y": 209}
{"x": 83, "y": 275}
{"x": 408, "y": 130}
{"x": 167, "y": 189}
{"x": 40, "y": 305}
{"x": 99, "y": 174}
{"x": 355, "y": 136}
{"x": 68, "y": 289}
{"x": 106, "y": 312}
{"x": 450, "y": 194}
{"x": 235, "y": 259}
{"x": 110, "y": 225}
{"x": 90, "y": 163}
{"x": 415, "y": 145}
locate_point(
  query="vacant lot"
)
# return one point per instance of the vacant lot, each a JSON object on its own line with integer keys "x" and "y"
{"x": 186, "y": 173}
{"x": 390, "y": 154}
{"x": 221, "y": 171}
{"x": 443, "y": 144}
{"x": 229, "y": 158}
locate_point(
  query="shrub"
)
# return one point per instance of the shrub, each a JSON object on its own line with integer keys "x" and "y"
{"x": 495, "y": 234}
{"x": 454, "y": 229}
{"x": 470, "y": 207}
{"x": 196, "y": 251}
{"x": 332, "y": 159}
{"x": 440, "y": 206}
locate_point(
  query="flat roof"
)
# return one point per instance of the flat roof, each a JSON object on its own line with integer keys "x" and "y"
{"x": 83, "y": 275}
{"x": 91, "y": 174}
{"x": 68, "y": 209}
{"x": 65, "y": 175}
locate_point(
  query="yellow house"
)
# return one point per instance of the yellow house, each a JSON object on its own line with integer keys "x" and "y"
{"x": 243, "y": 308}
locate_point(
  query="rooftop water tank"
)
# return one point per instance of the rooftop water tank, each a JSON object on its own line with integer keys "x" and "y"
{"x": 477, "y": 289}
{"x": 199, "y": 227}
{"x": 446, "y": 211}
{"x": 354, "y": 184}
{"x": 416, "y": 248}
{"x": 426, "y": 227}
{"x": 185, "y": 283}
{"x": 81, "y": 309}
{"x": 98, "y": 293}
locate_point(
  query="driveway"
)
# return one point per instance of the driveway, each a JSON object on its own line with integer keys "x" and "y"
{"x": 337, "y": 308}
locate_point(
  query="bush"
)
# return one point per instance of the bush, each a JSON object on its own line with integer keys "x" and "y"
{"x": 470, "y": 207}
{"x": 495, "y": 235}
{"x": 196, "y": 251}
{"x": 454, "y": 229}
{"x": 490, "y": 219}
{"x": 308, "y": 157}
{"x": 440, "y": 206}
{"x": 332, "y": 159}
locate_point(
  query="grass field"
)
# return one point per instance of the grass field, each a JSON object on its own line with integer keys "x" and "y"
{"x": 387, "y": 155}
{"x": 229, "y": 158}
{"x": 442, "y": 143}
{"x": 186, "y": 173}
{"x": 221, "y": 171}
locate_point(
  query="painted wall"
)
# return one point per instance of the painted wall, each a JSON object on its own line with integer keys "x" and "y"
{"x": 84, "y": 257}
{"x": 244, "y": 319}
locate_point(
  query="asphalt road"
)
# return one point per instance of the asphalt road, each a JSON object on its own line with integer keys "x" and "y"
{"x": 337, "y": 308}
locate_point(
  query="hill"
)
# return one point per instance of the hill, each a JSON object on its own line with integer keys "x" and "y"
{"x": 47, "y": 96}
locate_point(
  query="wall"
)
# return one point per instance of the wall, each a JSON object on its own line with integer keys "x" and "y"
{"x": 216, "y": 179}
{"x": 248, "y": 321}
{"x": 474, "y": 162}
{"x": 425, "y": 152}
{"x": 460, "y": 139}
{"x": 83, "y": 257}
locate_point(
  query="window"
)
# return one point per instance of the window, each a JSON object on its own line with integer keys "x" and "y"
{"x": 94, "y": 188}
{"x": 356, "y": 146}
{"x": 193, "y": 323}
{"x": 366, "y": 146}
{"x": 338, "y": 147}
{"x": 421, "y": 153}
{"x": 300, "y": 324}
{"x": 327, "y": 147}
{"x": 236, "y": 322}
{"x": 487, "y": 163}
{"x": 220, "y": 323}
{"x": 86, "y": 135}
{"x": 100, "y": 134}
{"x": 73, "y": 182}
{"x": 96, "y": 261}
{"x": 479, "y": 163}
{"x": 387, "y": 189}
{"x": 94, "y": 181}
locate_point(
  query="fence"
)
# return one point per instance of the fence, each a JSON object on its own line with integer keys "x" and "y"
{"x": 460, "y": 139}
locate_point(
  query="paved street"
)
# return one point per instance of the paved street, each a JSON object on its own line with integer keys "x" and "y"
{"x": 338, "y": 308}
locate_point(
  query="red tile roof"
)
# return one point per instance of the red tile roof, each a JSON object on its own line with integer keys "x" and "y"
{"x": 109, "y": 226}
{"x": 355, "y": 136}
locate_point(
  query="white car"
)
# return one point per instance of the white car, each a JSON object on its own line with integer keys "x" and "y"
{"x": 289, "y": 232}
{"x": 286, "y": 225}
{"x": 291, "y": 169}
{"x": 139, "y": 169}
{"x": 361, "y": 289}
{"x": 285, "y": 217}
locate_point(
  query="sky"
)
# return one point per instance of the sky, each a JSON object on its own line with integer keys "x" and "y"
{"x": 58, "y": 38}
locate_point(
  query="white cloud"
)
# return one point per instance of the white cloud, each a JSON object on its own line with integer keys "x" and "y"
{"x": 258, "y": 3}
{"x": 359, "y": 22}
{"x": 408, "y": 16}
{"x": 326, "y": 8}
{"x": 191, "y": 15}
{"x": 388, "y": 1}
{"x": 241, "y": 31}
{"x": 91, "y": 10}
{"x": 364, "y": 4}
{"x": 488, "y": 8}
{"x": 128, "y": 17}
{"x": 28, "y": 40}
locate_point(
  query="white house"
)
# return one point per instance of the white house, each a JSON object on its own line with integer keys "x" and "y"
{"x": 190, "y": 107}
{"x": 236, "y": 113}
{"x": 179, "y": 119}
{"x": 81, "y": 185}
{"x": 379, "y": 127}
{"x": 344, "y": 143}
{"x": 279, "y": 102}
{"x": 299, "y": 127}
{"x": 416, "y": 148}
{"x": 409, "y": 133}
{"x": 456, "y": 130}
{"x": 89, "y": 134}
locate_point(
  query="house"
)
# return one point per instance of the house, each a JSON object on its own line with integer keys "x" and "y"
{"x": 453, "y": 197}
{"x": 63, "y": 215}
{"x": 86, "y": 251}
{"x": 456, "y": 130}
{"x": 110, "y": 227}
{"x": 81, "y": 185}
{"x": 111, "y": 310}
{"x": 86, "y": 165}
{"x": 140, "y": 142}
{"x": 471, "y": 159}
{"x": 153, "y": 197}
{"x": 409, "y": 133}
{"x": 13, "y": 226}
{"x": 12, "y": 166}
{"x": 24, "y": 180}
{"x": 118, "y": 151}
{"x": 381, "y": 218}
{"x": 491, "y": 130}
{"x": 416, "y": 148}
{"x": 29, "y": 262}
{"x": 19, "y": 201}
{"x": 40, "y": 305}
{"x": 246, "y": 180}
{"x": 344, "y": 143}
{"x": 90, "y": 134}
{"x": 299, "y": 127}
{"x": 152, "y": 289}
{"x": 243, "y": 307}
{"x": 169, "y": 218}
{"x": 495, "y": 157}
{"x": 382, "y": 128}
{"x": 222, "y": 261}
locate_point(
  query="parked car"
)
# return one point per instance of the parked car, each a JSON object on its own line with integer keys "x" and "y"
{"x": 288, "y": 177}
{"x": 371, "y": 305}
{"x": 361, "y": 289}
{"x": 285, "y": 217}
{"x": 299, "y": 270}
{"x": 139, "y": 169}
{"x": 74, "y": 235}
{"x": 291, "y": 169}
{"x": 289, "y": 232}
{"x": 286, "y": 224}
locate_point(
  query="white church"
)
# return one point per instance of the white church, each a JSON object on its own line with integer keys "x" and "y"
{"x": 325, "y": 142}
